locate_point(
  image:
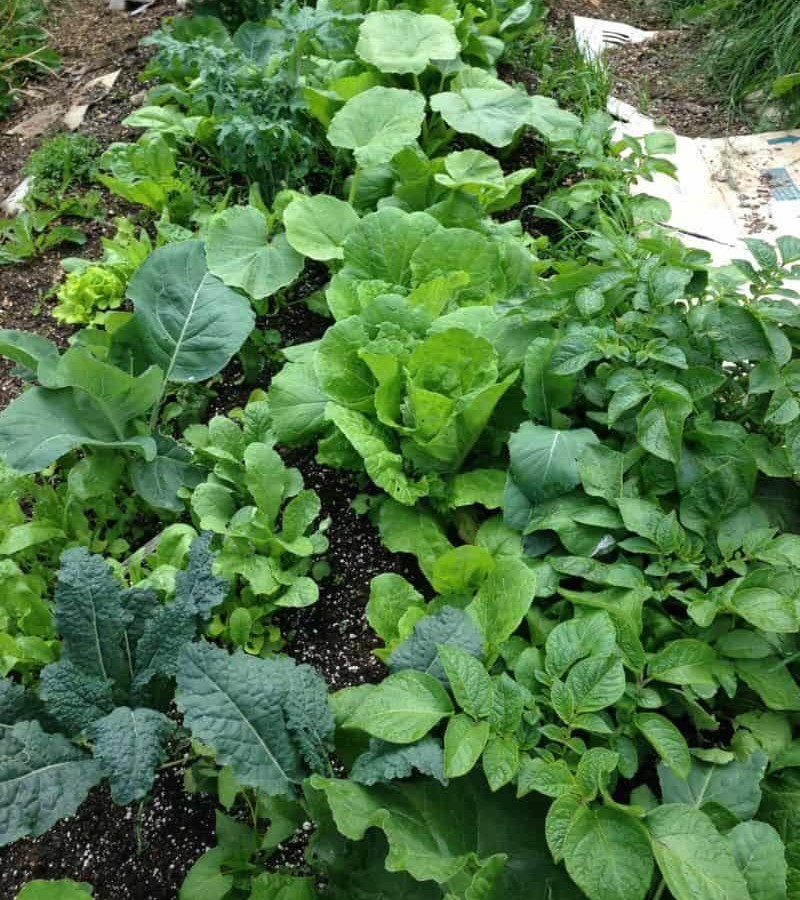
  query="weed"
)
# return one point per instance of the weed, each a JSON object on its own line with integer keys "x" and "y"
{"x": 62, "y": 161}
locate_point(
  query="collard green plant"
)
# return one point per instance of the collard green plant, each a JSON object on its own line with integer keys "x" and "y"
{"x": 111, "y": 688}
{"x": 185, "y": 327}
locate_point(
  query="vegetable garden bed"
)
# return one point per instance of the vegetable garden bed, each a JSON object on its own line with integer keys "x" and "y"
{"x": 400, "y": 510}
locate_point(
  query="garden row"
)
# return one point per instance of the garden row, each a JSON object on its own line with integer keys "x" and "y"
{"x": 587, "y": 439}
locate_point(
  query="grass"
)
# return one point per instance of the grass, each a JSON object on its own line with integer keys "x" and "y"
{"x": 752, "y": 45}
{"x": 23, "y": 47}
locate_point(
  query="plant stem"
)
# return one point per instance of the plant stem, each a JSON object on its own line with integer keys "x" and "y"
{"x": 660, "y": 889}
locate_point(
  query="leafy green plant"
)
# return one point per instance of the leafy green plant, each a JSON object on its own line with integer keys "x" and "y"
{"x": 150, "y": 174}
{"x": 55, "y": 890}
{"x": 111, "y": 687}
{"x": 91, "y": 289}
{"x": 216, "y": 93}
{"x": 24, "y": 48}
{"x": 185, "y": 328}
{"x": 265, "y": 521}
{"x": 62, "y": 161}
{"x": 44, "y": 225}
{"x": 83, "y": 504}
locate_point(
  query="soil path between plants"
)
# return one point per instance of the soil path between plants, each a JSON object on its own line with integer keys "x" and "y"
{"x": 662, "y": 78}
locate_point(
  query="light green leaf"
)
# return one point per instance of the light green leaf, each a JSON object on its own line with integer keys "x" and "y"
{"x": 500, "y": 760}
{"x": 666, "y": 740}
{"x": 759, "y": 853}
{"x": 494, "y": 114}
{"x": 390, "y": 596}
{"x": 241, "y": 254}
{"x": 377, "y": 124}
{"x": 318, "y": 226}
{"x": 55, "y": 890}
{"x": 402, "y": 708}
{"x": 400, "y": 41}
{"x": 607, "y": 854}
{"x": 469, "y": 681}
{"x": 695, "y": 860}
{"x": 464, "y": 741}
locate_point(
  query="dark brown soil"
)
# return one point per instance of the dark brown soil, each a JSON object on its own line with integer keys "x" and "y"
{"x": 99, "y": 845}
{"x": 662, "y": 78}
{"x": 92, "y": 41}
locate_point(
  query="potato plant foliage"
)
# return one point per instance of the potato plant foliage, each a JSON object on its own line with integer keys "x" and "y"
{"x": 586, "y": 435}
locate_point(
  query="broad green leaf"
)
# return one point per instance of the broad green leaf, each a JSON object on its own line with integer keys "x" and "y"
{"x": 318, "y": 226}
{"x": 381, "y": 246}
{"x": 55, "y": 890}
{"x": 297, "y": 404}
{"x": 660, "y": 422}
{"x": 462, "y": 569}
{"x": 464, "y": 742}
{"x": 768, "y": 600}
{"x": 736, "y": 786}
{"x": 685, "y": 661}
{"x": 209, "y": 878}
{"x": 469, "y": 681}
{"x": 400, "y": 41}
{"x": 544, "y": 462}
{"x": 772, "y": 681}
{"x": 186, "y": 320}
{"x": 759, "y": 853}
{"x": 390, "y": 596}
{"x": 500, "y": 760}
{"x": 435, "y": 832}
{"x": 591, "y": 635}
{"x": 596, "y": 683}
{"x": 43, "y": 778}
{"x": 402, "y": 708}
{"x": 263, "y": 717}
{"x": 495, "y": 115}
{"x": 694, "y": 859}
{"x": 25, "y": 348}
{"x": 130, "y": 745}
{"x": 42, "y": 425}
{"x": 666, "y": 740}
{"x": 503, "y": 600}
{"x": 377, "y": 124}
{"x": 241, "y": 254}
{"x": 413, "y": 530}
{"x": 607, "y": 854}
{"x": 552, "y": 778}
